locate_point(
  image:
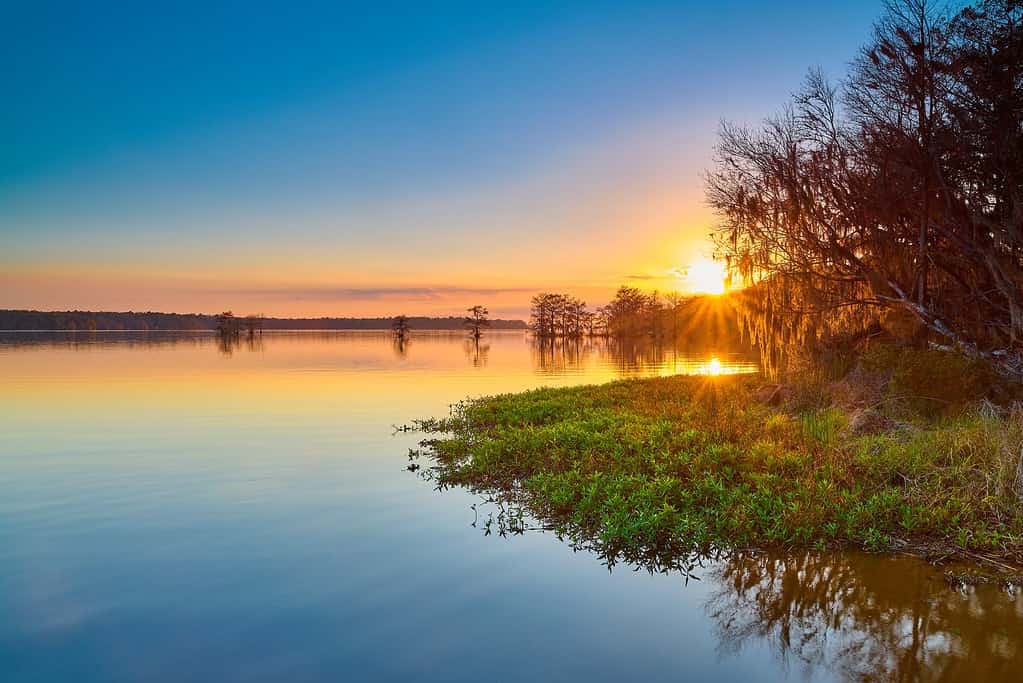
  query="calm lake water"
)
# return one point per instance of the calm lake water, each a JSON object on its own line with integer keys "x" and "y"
{"x": 174, "y": 509}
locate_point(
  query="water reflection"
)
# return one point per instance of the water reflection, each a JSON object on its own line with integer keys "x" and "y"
{"x": 867, "y": 617}
{"x": 227, "y": 344}
{"x": 100, "y": 340}
{"x": 477, "y": 351}
{"x": 173, "y": 513}
{"x": 637, "y": 357}
{"x": 597, "y": 357}
{"x": 848, "y": 616}
{"x": 400, "y": 345}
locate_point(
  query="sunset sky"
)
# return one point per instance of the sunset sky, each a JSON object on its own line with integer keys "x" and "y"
{"x": 377, "y": 158}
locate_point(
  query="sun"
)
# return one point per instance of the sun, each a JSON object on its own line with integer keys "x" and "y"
{"x": 705, "y": 276}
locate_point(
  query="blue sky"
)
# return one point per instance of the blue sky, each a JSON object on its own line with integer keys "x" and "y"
{"x": 305, "y": 159}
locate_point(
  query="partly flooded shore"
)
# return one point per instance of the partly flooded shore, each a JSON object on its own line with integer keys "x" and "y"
{"x": 678, "y": 464}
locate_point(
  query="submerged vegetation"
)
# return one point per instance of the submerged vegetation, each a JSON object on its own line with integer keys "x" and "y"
{"x": 669, "y": 466}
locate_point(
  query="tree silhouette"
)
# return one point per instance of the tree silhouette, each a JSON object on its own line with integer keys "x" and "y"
{"x": 898, "y": 197}
{"x": 477, "y": 320}
{"x": 400, "y": 327}
{"x": 633, "y": 313}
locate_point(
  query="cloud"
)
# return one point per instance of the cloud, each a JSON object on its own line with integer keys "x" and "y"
{"x": 372, "y": 293}
{"x": 670, "y": 274}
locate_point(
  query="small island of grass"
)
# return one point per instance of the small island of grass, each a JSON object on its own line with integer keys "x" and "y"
{"x": 869, "y": 458}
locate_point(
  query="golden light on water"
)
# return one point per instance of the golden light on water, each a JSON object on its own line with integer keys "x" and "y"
{"x": 715, "y": 367}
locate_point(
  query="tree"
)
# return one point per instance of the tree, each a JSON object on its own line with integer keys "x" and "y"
{"x": 228, "y": 325}
{"x": 654, "y": 312}
{"x": 626, "y": 312}
{"x": 674, "y": 303}
{"x": 896, "y": 197}
{"x": 539, "y": 315}
{"x": 253, "y": 323}
{"x": 477, "y": 320}
{"x": 400, "y": 327}
{"x": 559, "y": 315}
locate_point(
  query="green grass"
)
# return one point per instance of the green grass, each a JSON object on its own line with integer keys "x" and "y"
{"x": 684, "y": 463}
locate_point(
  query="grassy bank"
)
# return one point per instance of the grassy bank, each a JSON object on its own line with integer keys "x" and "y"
{"x": 685, "y": 463}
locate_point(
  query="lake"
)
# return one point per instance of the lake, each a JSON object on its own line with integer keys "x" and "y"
{"x": 175, "y": 508}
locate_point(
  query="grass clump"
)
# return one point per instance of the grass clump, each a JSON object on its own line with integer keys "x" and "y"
{"x": 931, "y": 382}
{"x": 691, "y": 462}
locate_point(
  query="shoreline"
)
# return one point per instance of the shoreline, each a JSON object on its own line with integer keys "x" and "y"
{"x": 682, "y": 463}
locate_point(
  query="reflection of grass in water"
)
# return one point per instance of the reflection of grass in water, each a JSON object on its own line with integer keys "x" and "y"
{"x": 846, "y": 613}
{"x": 660, "y": 473}
{"x": 672, "y": 464}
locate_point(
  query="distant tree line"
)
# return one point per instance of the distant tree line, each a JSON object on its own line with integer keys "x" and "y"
{"x": 414, "y": 322}
{"x": 895, "y": 199}
{"x": 87, "y": 320}
{"x": 634, "y": 313}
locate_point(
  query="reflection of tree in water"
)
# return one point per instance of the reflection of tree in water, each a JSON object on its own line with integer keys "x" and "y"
{"x": 852, "y": 616}
{"x": 556, "y": 355}
{"x": 627, "y": 356}
{"x": 227, "y": 344}
{"x": 634, "y": 356}
{"x": 867, "y": 617}
{"x": 477, "y": 352}
{"x": 400, "y": 346}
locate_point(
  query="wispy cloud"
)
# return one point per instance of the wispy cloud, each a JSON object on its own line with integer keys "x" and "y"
{"x": 670, "y": 274}
{"x": 372, "y": 293}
